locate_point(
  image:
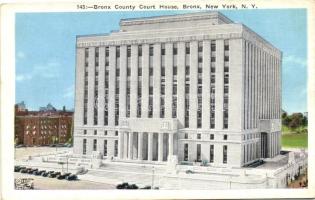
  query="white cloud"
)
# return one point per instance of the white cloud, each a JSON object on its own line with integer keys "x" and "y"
{"x": 292, "y": 59}
{"x": 23, "y": 77}
{"x": 69, "y": 92}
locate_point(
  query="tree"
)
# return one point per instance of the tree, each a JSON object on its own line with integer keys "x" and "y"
{"x": 295, "y": 120}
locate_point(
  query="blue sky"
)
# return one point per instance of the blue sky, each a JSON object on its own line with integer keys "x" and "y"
{"x": 45, "y": 50}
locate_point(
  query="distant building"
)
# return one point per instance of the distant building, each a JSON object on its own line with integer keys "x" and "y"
{"x": 39, "y": 128}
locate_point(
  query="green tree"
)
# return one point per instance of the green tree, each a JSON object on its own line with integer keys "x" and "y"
{"x": 296, "y": 120}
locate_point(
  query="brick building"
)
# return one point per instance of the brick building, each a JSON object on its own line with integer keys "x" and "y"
{"x": 39, "y": 128}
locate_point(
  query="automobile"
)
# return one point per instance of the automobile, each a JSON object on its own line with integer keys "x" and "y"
{"x": 127, "y": 186}
{"x": 25, "y": 170}
{"x": 31, "y": 171}
{"x": 44, "y": 174}
{"x": 72, "y": 177}
{"x": 19, "y": 169}
{"x": 63, "y": 176}
{"x": 38, "y": 172}
{"x": 147, "y": 187}
{"x": 189, "y": 171}
{"x": 54, "y": 175}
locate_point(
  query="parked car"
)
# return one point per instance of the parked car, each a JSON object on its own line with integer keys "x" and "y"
{"x": 63, "y": 176}
{"x": 26, "y": 170}
{"x": 18, "y": 168}
{"x": 31, "y": 171}
{"x": 127, "y": 186}
{"x": 147, "y": 187}
{"x": 38, "y": 172}
{"x": 72, "y": 177}
{"x": 54, "y": 175}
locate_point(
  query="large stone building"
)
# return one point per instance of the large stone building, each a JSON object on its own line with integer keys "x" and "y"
{"x": 197, "y": 86}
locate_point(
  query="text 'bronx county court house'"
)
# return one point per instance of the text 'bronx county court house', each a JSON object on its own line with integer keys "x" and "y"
{"x": 197, "y": 86}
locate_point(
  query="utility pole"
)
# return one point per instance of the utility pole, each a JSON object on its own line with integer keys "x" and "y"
{"x": 152, "y": 178}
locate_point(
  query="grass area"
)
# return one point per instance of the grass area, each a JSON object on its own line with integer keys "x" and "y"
{"x": 294, "y": 140}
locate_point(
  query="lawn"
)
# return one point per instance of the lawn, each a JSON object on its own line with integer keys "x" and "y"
{"x": 294, "y": 140}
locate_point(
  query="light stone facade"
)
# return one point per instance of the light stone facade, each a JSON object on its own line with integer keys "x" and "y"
{"x": 197, "y": 86}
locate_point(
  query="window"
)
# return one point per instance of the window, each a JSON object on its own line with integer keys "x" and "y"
{"x": 163, "y": 49}
{"x": 226, "y": 47}
{"x": 226, "y": 58}
{"x": 105, "y": 132}
{"x": 211, "y": 136}
{"x": 95, "y": 132}
{"x": 107, "y": 51}
{"x": 211, "y": 153}
{"x": 198, "y": 152}
{"x": 185, "y": 152}
{"x": 128, "y": 51}
{"x": 94, "y": 145}
{"x": 175, "y": 49}
{"x": 117, "y": 52}
{"x": 116, "y": 133}
{"x": 212, "y": 59}
{"x": 224, "y": 153}
{"x": 225, "y": 137}
{"x": 186, "y": 135}
{"x": 84, "y": 147}
{"x": 116, "y": 148}
{"x": 105, "y": 147}
{"x": 151, "y": 50}
{"x": 187, "y": 45}
{"x": 199, "y": 136}
{"x": 187, "y": 71}
{"x": 213, "y": 48}
{"x": 84, "y": 132}
{"x": 139, "y": 50}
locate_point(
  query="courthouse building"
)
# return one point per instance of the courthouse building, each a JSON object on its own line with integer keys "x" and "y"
{"x": 197, "y": 86}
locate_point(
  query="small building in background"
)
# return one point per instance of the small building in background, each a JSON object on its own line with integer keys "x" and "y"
{"x": 36, "y": 128}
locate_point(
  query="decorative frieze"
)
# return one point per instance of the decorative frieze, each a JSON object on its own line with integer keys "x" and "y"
{"x": 159, "y": 40}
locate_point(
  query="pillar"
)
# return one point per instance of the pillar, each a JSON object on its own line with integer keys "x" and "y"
{"x": 140, "y": 144}
{"x": 160, "y": 147}
{"x": 170, "y": 144}
{"x": 125, "y": 151}
{"x": 130, "y": 146}
{"x": 150, "y": 145}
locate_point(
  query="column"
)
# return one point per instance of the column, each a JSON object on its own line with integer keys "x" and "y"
{"x": 193, "y": 85}
{"x": 123, "y": 81}
{"x": 219, "y": 75}
{"x": 140, "y": 144}
{"x": 134, "y": 81}
{"x": 145, "y": 81}
{"x": 125, "y": 151}
{"x": 206, "y": 85}
{"x": 91, "y": 81}
{"x": 150, "y": 145}
{"x": 156, "y": 81}
{"x": 101, "y": 86}
{"x": 181, "y": 85}
{"x": 111, "y": 86}
{"x": 168, "y": 79}
{"x": 120, "y": 145}
{"x": 130, "y": 146}
{"x": 170, "y": 144}
{"x": 160, "y": 147}
{"x": 79, "y": 87}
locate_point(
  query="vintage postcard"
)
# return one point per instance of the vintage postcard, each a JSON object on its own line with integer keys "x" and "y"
{"x": 157, "y": 100}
